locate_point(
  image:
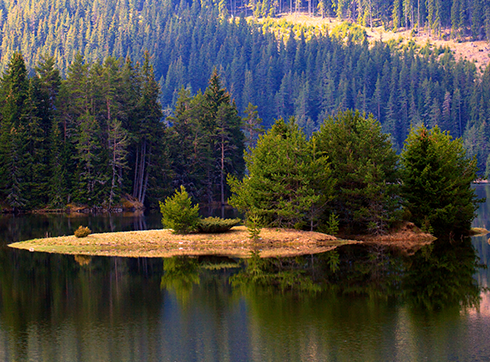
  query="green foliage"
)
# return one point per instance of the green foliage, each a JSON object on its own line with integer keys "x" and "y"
{"x": 436, "y": 182}
{"x": 82, "y": 232}
{"x": 331, "y": 227}
{"x": 289, "y": 180}
{"x": 333, "y": 260}
{"x": 364, "y": 163}
{"x": 253, "y": 225}
{"x": 181, "y": 274}
{"x": 206, "y": 141}
{"x": 213, "y": 225}
{"x": 178, "y": 213}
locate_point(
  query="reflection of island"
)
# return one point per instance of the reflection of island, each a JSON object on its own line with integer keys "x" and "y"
{"x": 437, "y": 276}
{"x": 298, "y": 308}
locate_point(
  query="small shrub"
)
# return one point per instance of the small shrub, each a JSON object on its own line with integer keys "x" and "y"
{"x": 212, "y": 225}
{"x": 178, "y": 213}
{"x": 332, "y": 227}
{"x": 82, "y": 232}
{"x": 254, "y": 226}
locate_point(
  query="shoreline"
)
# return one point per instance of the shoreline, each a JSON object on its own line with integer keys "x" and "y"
{"x": 159, "y": 243}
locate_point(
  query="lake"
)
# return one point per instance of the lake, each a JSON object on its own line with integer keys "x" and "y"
{"x": 356, "y": 304}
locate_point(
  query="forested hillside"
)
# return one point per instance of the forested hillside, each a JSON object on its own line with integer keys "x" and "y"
{"x": 303, "y": 72}
{"x": 307, "y": 75}
{"x": 464, "y": 18}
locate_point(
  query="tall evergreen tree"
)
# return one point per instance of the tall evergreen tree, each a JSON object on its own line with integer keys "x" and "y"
{"x": 436, "y": 182}
{"x": 13, "y": 128}
{"x": 289, "y": 181}
{"x": 363, "y": 162}
{"x": 150, "y": 131}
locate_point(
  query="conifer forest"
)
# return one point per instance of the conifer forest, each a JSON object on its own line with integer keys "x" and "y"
{"x": 104, "y": 100}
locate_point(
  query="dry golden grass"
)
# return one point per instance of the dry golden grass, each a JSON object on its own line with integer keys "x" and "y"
{"x": 162, "y": 243}
{"x": 476, "y": 51}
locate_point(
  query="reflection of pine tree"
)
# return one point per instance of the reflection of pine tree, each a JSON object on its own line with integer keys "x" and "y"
{"x": 441, "y": 276}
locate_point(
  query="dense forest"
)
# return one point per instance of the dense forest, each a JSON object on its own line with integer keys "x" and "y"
{"x": 98, "y": 135}
{"x": 297, "y": 71}
{"x": 304, "y": 73}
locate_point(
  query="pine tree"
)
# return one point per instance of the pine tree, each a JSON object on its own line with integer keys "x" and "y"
{"x": 487, "y": 23}
{"x": 436, "y": 182}
{"x": 88, "y": 175}
{"x": 149, "y": 131}
{"x": 289, "y": 181}
{"x": 396, "y": 14}
{"x": 455, "y": 30}
{"x": 118, "y": 142}
{"x": 363, "y": 162}
{"x": 13, "y": 108}
{"x": 57, "y": 181}
{"x": 476, "y": 19}
{"x": 252, "y": 126}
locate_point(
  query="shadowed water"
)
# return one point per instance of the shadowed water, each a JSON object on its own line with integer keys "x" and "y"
{"x": 355, "y": 304}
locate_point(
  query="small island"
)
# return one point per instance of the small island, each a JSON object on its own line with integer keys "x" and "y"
{"x": 273, "y": 242}
{"x": 163, "y": 243}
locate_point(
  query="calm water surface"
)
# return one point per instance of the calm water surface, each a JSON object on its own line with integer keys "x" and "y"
{"x": 352, "y": 305}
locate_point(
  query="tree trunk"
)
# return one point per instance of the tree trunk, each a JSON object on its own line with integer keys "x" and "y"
{"x": 141, "y": 173}
{"x": 136, "y": 166}
{"x": 146, "y": 176}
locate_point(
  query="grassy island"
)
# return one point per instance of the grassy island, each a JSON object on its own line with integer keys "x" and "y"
{"x": 162, "y": 243}
{"x": 273, "y": 242}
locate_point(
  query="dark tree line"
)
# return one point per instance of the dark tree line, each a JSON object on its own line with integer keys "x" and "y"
{"x": 99, "y": 135}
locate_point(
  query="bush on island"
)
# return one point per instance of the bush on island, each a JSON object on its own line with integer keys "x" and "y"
{"x": 213, "y": 225}
{"x": 178, "y": 213}
{"x": 82, "y": 232}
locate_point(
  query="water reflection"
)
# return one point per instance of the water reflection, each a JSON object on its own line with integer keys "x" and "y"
{"x": 441, "y": 276}
{"x": 357, "y": 303}
{"x": 181, "y": 273}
